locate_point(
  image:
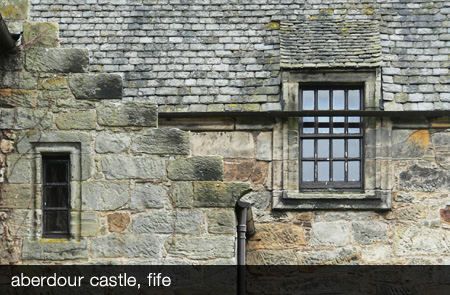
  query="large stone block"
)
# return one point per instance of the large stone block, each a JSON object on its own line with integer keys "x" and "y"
{"x": 418, "y": 178}
{"x": 15, "y": 196}
{"x": 19, "y": 168}
{"x": 259, "y": 200}
{"x": 104, "y": 195}
{"x": 222, "y": 221}
{"x": 87, "y": 222}
{"x": 219, "y": 194}
{"x": 49, "y": 249}
{"x": 330, "y": 233}
{"x": 10, "y": 98}
{"x": 366, "y": 232}
{"x": 342, "y": 255}
{"x": 186, "y": 222}
{"x": 196, "y": 168}
{"x": 414, "y": 240}
{"x": 15, "y": 9}
{"x": 409, "y": 144}
{"x": 133, "y": 246}
{"x": 77, "y": 120}
{"x": 57, "y": 60}
{"x": 148, "y": 196}
{"x": 126, "y": 167}
{"x": 162, "y": 141}
{"x": 271, "y": 257}
{"x": 98, "y": 86}
{"x": 277, "y": 236}
{"x": 207, "y": 247}
{"x": 41, "y": 34}
{"x": 226, "y": 144}
{"x": 108, "y": 142}
{"x": 182, "y": 194}
{"x": 123, "y": 114}
{"x": 264, "y": 146}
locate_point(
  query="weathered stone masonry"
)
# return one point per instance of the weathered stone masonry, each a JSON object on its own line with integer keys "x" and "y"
{"x": 190, "y": 56}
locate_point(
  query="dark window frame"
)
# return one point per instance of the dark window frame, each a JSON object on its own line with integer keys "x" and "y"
{"x": 316, "y": 185}
{"x": 64, "y": 231}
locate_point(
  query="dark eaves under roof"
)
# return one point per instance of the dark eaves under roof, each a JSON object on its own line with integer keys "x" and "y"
{"x": 7, "y": 40}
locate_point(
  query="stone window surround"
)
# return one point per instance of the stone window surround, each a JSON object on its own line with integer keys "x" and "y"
{"x": 77, "y": 145}
{"x": 376, "y": 194}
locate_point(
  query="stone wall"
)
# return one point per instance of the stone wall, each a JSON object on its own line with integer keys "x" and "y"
{"x": 138, "y": 194}
{"x": 163, "y": 190}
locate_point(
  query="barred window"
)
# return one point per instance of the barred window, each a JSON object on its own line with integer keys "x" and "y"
{"x": 56, "y": 196}
{"x": 331, "y": 148}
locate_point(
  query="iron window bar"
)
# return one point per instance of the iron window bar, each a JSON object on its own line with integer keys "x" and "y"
{"x": 55, "y": 196}
{"x": 320, "y": 134}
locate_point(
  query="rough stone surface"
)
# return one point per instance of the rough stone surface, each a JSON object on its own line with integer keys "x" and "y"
{"x": 277, "y": 236}
{"x": 270, "y": 257}
{"x": 10, "y": 98}
{"x": 259, "y": 200}
{"x": 126, "y": 167}
{"x": 366, "y": 232}
{"x": 183, "y": 194}
{"x": 330, "y": 233}
{"x": 238, "y": 144}
{"x": 418, "y": 178}
{"x": 162, "y": 141}
{"x": 196, "y": 168}
{"x": 218, "y": 194}
{"x": 186, "y": 222}
{"x": 15, "y": 9}
{"x": 343, "y": 255}
{"x": 237, "y": 170}
{"x": 222, "y": 221}
{"x": 108, "y": 142}
{"x": 147, "y": 195}
{"x": 98, "y": 86}
{"x": 127, "y": 114}
{"x": 104, "y": 195}
{"x": 133, "y": 246}
{"x": 201, "y": 247}
{"x": 67, "y": 60}
{"x": 16, "y": 196}
{"x": 118, "y": 222}
{"x": 41, "y": 34}
{"x": 264, "y": 146}
{"x": 78, "y": 120}
{"x": 89, "y": 224}
{"x": 19, "y": 169}
{"x": 414, "y": 240}
{"x": 54, "y": 250}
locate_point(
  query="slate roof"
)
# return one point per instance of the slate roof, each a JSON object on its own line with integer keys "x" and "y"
{"x": 330, "y": 43}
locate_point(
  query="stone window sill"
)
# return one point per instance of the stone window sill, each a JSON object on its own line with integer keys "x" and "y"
{"x": 369, "y": 200}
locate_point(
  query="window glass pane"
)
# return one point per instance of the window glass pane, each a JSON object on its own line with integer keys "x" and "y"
{"x": 338, "y": 100}
{"x": 354, "y": 100}
{"x": 323, "y": 99}
{"x": 324, "y": 124}
{"x": 56, "y": 172}
{"x": 353, "y": 170}
{"x": 308, "y": 100}
{"x": 308, "y": 148}
{"x": 338, "y": 148}
{"x": 307, "y": 171}
{"x": 323, "y": 171}
{"x": 323, "y": 148}
{"x": 338, "y": 125}
{"x": 354, "y": 124}
{"x": 308, "y": 125}
{"x": 353, "y": 148}
{"x": 56, "y": 197}
{"x": 338, "y": 171}
{"x": 55, "y": 221}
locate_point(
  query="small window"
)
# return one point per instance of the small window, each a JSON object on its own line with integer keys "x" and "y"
{"x": 55, "y": 196}
{"x": 331, "y": 148}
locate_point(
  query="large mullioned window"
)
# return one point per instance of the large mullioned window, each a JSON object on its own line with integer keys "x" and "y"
{"x": 331, "y": 148}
